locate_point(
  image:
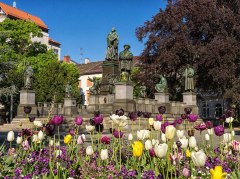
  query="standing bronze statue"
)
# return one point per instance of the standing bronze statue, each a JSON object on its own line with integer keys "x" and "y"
{"x": 112, "y": 45}
{"x": 125, "y": 58}
{"x": 188, "y": 74}
{"x": 28, "y": 77}
{"x": 68, "y": 90}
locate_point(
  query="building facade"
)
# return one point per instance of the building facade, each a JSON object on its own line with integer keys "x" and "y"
{"x": 12, "y": 12}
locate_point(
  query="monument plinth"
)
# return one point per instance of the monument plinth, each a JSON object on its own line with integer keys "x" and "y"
{"x": 70, "y": 106}
{"x": 27, "y": 98}
{"x": 162, "y": 97}
{"x": 190, "y": 99}
{"x": 124, "y": 97}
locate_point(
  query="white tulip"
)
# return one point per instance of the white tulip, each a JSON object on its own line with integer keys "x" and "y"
{"x": 37, "y": 123}
{"x": 83, "y": 137}
{"x": 180, "y": 134}
{"x": 163, "y": 137}
{"x": 89, "y": 150}
{"x": 90, "y": 128}
{"x": 19, "y": 140}
{"x": 161, "y": 150}
{"x": 174, "y": 145}
{"x": 10, "y": 136}
{"x": 130, "y": 137}
{"x": 143, "y": 134}
{"x": 199, "y": 158}
{"x": 35, "y": 138}
{"x": 148, "y": 145}
{"x": 210, "y": 131}
{"x": 40, "y": 135}
{"x": 120, "y": 121}
{"x": 150, "y": 121}
{"x": 184, "y": 142}
{"x": 226, "y": 138}
{"x": 229, "y": 119}
{"x": 51, "y": 142}
{"x": 155, "y": 142}
{"x": 192, "y": 142}
{"x": 170, "y": 132}
{"x": 104, "y": 154}
{"x": 207, "y": 137}
{"x": 57, "y": 143}
{"x": 233, "y": 133}
{"x": 157, "y": 125}
{"x": 58, "y": 153}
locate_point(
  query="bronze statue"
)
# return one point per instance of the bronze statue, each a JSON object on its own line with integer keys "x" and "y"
{"x": 68, "y": 90}
{"x": 188, "y": 74}
{"x": 95, "y": 89}
{"x": 112, "y": 45}
{"x": 125, "y": 58}
{"x": 161, "y": 87}
{"x": 28, "y": 77}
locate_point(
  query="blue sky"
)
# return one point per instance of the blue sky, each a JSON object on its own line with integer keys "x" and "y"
{"x": 85, "y": 23}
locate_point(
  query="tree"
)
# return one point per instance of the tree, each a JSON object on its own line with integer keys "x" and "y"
{"x": 205, "y": 34}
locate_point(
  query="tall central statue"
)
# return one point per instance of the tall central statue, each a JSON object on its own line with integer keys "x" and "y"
{"x": 112, "y": 45}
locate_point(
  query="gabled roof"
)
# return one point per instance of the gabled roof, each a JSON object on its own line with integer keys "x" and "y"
{"x": 51, "y": 41}
{"x": 14, "y": 12}
{"x": 96, "y": 67}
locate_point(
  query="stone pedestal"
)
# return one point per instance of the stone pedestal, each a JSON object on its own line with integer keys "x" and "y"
{"x": 109, "y": 68}
{"x": 70, "y": 106}
{"x": 124, "y": 97}
{"x": 162, "y": 97}
{"x": 190, "y": 100}
{"x": 27, "y": 98}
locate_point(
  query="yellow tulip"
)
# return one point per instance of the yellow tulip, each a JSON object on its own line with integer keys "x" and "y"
{"x": 217, "y": 173}
{"x": 67, "y": 139}
{"x": 188, "y": 153}
{"x": 137, "y": 148}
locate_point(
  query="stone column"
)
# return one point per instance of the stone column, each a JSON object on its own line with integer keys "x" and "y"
{"x": 124, "y": 97}
{"x": 27, "y": 98}
{"x": 70, "y": 106}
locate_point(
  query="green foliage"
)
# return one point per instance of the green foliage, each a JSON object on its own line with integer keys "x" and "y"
{"x": 136, "y": 83}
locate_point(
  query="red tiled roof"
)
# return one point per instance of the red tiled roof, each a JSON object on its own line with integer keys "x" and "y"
{"x": 12, "y": 11}
{"x": 96, "y": 67}
{"x": 53, "y": 41}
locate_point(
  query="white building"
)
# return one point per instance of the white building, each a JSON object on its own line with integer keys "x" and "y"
{"x": 12, "y": 12}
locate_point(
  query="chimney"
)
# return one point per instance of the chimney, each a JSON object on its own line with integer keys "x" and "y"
{"x": 15, "y": 4}
{"x": 66, "y": 59}
{"x": 87, "y": 60}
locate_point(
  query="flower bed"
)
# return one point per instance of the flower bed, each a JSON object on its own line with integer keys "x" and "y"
{"x": 155, "y": 150}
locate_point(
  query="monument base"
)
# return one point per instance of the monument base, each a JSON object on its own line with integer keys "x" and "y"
{"x": 70, "y": 106}
{"x": 162, "y": 97}
{"x": 190, "y": 99}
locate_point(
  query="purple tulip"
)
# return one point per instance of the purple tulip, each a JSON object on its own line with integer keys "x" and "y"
{"x": 98, "y": 119}
{"x": 147, "y": 114}
{"x": 117, "y": 134}
{"x": 27, "y": 109}
{"x": 179, "y": 144}
{"x": 184, "y": 116}
{"x": 133, "y": 116}
{"x": 219, "y": 130}
{"x": 192, "y": 117}
{"x": 50, "y": 129}
{"x": 139, "y": 113}
{"x": 91, "y": 121}
{"x": 25, "y": 132}
{"x": 179, "y": 120}
{"x": 209, "y": 124}
{"x": 119, "y": 112}
{"x": 188, "y": 110}
{"x": 105, "y": 140}
{"x": 31, "y": 118}
{"x": 72, "y": 132}
{"x": 230, "y": 113}
{"x": 78, "y": 120}
{"x": 57, "y": 120}
{"x": 96, "y": 113}
{"x": 152, "y": 153}
{"x": 164, "y": 125}
{"x": 161, "y": 109}
{"x": 200, "y": 127}
{"x": 159, "y": 117}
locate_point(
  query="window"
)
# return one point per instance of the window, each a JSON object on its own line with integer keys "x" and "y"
{"x": 55, "y": 51}
{"x": 205, "y": 111}
{"x": 218, "y": 110}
